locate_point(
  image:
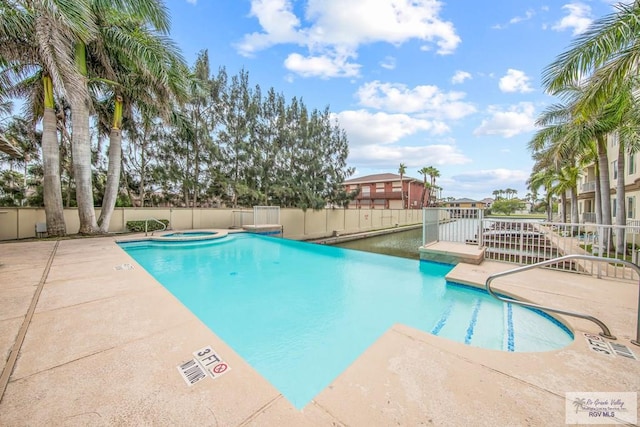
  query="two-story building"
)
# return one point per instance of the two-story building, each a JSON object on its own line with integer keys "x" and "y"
{"x": 385, "y": 191}
{"x": 460, "y": 208}
{"x": 587, "y": 185}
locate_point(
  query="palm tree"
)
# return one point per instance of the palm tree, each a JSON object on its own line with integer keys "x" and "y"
{"x": 424, "y": 171}
{"x": 402, "y": 170}
{"x": 571, "y": 131}
{"x": 542, "y": 176}
{"x": 604, "y": 57}
{"x": 104, "y": 16}
{"x": 433, "y": 174}
{"x": 144, "y": 68}
{"x": 36, "y": 39}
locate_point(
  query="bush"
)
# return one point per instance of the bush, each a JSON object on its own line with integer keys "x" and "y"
{"x": 138, "y": 226}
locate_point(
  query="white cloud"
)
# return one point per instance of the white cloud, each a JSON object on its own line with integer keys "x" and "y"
{"x": 389, "y": 63}
{"x": 515, "y": 81}
{"x": 328, "y": 28}
{"x": 366, "y": 128}
{"x": 192, "y": 1}
{"x": 460, "y": 77}
{"x": 578, "y": 19}
{"x": 482, "y": 183}
{"x": 515, "y": 120}
{"x": 321, "y": 66}
{"x": 530, "y": 13}
{"x": 381, "y": 156}
{"x": 279, "y": 23}
{"x": 427, "y": 100}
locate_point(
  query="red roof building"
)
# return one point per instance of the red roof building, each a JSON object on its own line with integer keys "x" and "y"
{"x": 384, "y": 191}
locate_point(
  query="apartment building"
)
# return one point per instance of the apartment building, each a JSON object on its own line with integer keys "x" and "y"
{"x": 587, "y": 184}
{"x": 385, "y": 191}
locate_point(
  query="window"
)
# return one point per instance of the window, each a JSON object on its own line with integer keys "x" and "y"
{"x": 614, "y": 207}
{"x": 631, "y": 201}
{"x": 631, "y": 167}
{"x": 380, "y": 187}
{"x": 614, "y": 139}
{"x": 366, "y": 190}
{"x": 396, "y": 186}
{"x": 614, "y": 168}
{"x": 473, "y": 205}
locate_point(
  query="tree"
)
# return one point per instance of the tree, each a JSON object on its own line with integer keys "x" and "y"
{"x": 144, "y": 68}
{"x": 402, "y": 170}
{"x": 433, "y": 174}
{"x": 37, "y": 39}
{"x": 424, "y": 171}
{"x": 603, "y": 58}
{"x": 506, "y": 206}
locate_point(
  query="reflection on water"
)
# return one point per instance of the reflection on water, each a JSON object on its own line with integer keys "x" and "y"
{"x": 403, "y": 244}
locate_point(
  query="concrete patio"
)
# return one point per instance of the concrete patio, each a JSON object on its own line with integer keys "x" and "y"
{"x": 87, "y": 340}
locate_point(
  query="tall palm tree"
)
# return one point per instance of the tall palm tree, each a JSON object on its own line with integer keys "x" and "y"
{"x": 37, "y": 38}
{"x": 402, "y": 170}
{"x": 542, "y": 176}
{"x": 424, "y": 171}
{"x": 143, "y": 68}
{"x": 433, "y": 174}
{"x": 105, "y": 14}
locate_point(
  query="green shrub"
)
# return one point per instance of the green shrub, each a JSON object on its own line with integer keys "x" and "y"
{"x": 137, "y": 226}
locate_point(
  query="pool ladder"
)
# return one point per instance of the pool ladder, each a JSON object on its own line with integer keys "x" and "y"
{"x": 146, "y": 225}
{"x": 605, "y": 330}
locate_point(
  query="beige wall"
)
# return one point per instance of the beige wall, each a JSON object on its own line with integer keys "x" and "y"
{"x": 19, "y": 223}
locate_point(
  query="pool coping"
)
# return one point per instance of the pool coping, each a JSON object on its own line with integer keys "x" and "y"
{"x": 127, "y": 334}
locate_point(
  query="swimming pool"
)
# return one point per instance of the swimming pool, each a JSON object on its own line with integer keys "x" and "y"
{"x": 301, "y": 313}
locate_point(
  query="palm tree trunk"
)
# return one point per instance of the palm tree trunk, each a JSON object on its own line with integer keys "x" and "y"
{"x": 113, "y": 179}
{"x": 605, "y": 193}
{"x": 621, "y": 212}
{"x": 81, "y": 151}
{"x": 81, "y": 148}
{"x": 563, "y": 202}
{"x": 575, "y": 218}
{"x": 598, "y": 197}
{"x": 605, "y": 186}
{"x": 51, "y": 162}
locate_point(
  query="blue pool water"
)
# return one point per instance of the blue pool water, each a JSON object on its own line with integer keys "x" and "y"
{"x": 301, "y": 313}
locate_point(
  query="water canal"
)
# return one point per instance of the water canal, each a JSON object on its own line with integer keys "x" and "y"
{"x": 402, "y": 244}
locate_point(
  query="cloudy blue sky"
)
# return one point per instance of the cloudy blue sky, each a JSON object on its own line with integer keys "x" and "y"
{"x": 455, "y": 85}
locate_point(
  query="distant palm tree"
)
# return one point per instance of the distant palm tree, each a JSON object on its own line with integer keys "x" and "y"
{"x": 402, "y": 170}
{"x": 424, "y": 171}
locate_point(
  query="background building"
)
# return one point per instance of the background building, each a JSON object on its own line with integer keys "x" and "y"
{"x": 384, "y": 191}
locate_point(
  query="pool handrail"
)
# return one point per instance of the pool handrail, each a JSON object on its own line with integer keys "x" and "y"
{"x": 146, "y": 224}
{"x": 606, "y": 333}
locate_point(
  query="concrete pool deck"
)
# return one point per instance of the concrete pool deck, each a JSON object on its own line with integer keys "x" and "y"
{"x": 101, "y": 342}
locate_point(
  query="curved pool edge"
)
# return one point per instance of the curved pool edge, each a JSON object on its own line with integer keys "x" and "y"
{"x": 216, "y": 233}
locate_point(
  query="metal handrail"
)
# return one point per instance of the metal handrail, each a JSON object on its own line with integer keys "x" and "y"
{"x": 146, "y": 224}
{"x": 605, "y": 330}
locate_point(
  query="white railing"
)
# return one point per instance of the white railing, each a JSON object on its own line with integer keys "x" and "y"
{"x": 266, "y": 215}
{"x": 241, "y": 218}
{"x": 523, "y": 241}
{"x": 588, "y": 186}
